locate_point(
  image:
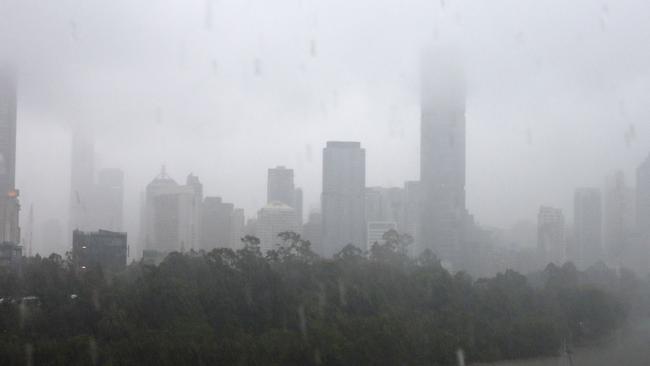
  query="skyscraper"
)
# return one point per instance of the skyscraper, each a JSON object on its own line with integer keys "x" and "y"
{"x": 343, "y": 197}
{"x": 280, "y": 186}
{"x": 442, "y": 208}
{"x": 9, "y": 205}
{"x": 588, "y": 226}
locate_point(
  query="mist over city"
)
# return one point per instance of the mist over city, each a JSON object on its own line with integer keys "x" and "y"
{"x": 325, "y": 171}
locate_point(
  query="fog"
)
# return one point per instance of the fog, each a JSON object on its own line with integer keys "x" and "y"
{"x": 226, "y": 89}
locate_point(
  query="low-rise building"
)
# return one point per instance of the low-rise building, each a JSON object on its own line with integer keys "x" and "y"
{"x": 105, "y": 249}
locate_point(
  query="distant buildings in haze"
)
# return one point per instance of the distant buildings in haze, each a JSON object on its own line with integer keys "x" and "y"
{"x": 588, "y": 225}
{"x": 95, "y": 202}
{"x": 551, "y": 239}
{"x": 171, "y": 220}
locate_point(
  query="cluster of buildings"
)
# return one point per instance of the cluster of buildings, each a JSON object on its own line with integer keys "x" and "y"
{"x": 431, "y": 210}
{"x": 610, "y": 225}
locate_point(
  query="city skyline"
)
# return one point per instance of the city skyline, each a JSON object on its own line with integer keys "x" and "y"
{"x": 193, "y": 99}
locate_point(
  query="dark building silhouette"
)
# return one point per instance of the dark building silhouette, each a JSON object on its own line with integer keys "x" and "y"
{"x": 280, "y": 186}
{"x": 102, "y": 248}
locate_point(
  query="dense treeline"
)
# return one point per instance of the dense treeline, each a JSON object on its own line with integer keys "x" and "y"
{"x": 290, "y": 307}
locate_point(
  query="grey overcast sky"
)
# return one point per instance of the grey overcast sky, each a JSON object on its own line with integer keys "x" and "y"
{"x": 228, "y": 88}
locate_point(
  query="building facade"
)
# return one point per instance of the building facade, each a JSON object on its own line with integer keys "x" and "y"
{"x": 216, "y": 223}
{"x": 442, "y": 149}
{"x": 312, "y": 231}
{"x": 9, "y": 204}
{"x": 343, "y": 196}
{"x": 272, "y": 220}
{"x": 106, "y": 249}
{"x": 376, "y": 231}
{"x": 172, "y": 214}
{"x": 280, "y": 186}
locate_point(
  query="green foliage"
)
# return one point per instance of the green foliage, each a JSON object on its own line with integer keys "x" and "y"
{"x": 290, "y": 307}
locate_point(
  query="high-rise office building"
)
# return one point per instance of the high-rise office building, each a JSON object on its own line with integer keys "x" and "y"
{"x": 9, "y": 205}
{"x": 551, "y": 243}
{"x": 172, "y": 214}
{"x": 280, "y": 186}
{"x": 442, "y": 208}
{"x": 343, "y": 197}
{"x": 588, "y": 226}
{"x": 273, "y": 219}
{"x": 216, "y": 223}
